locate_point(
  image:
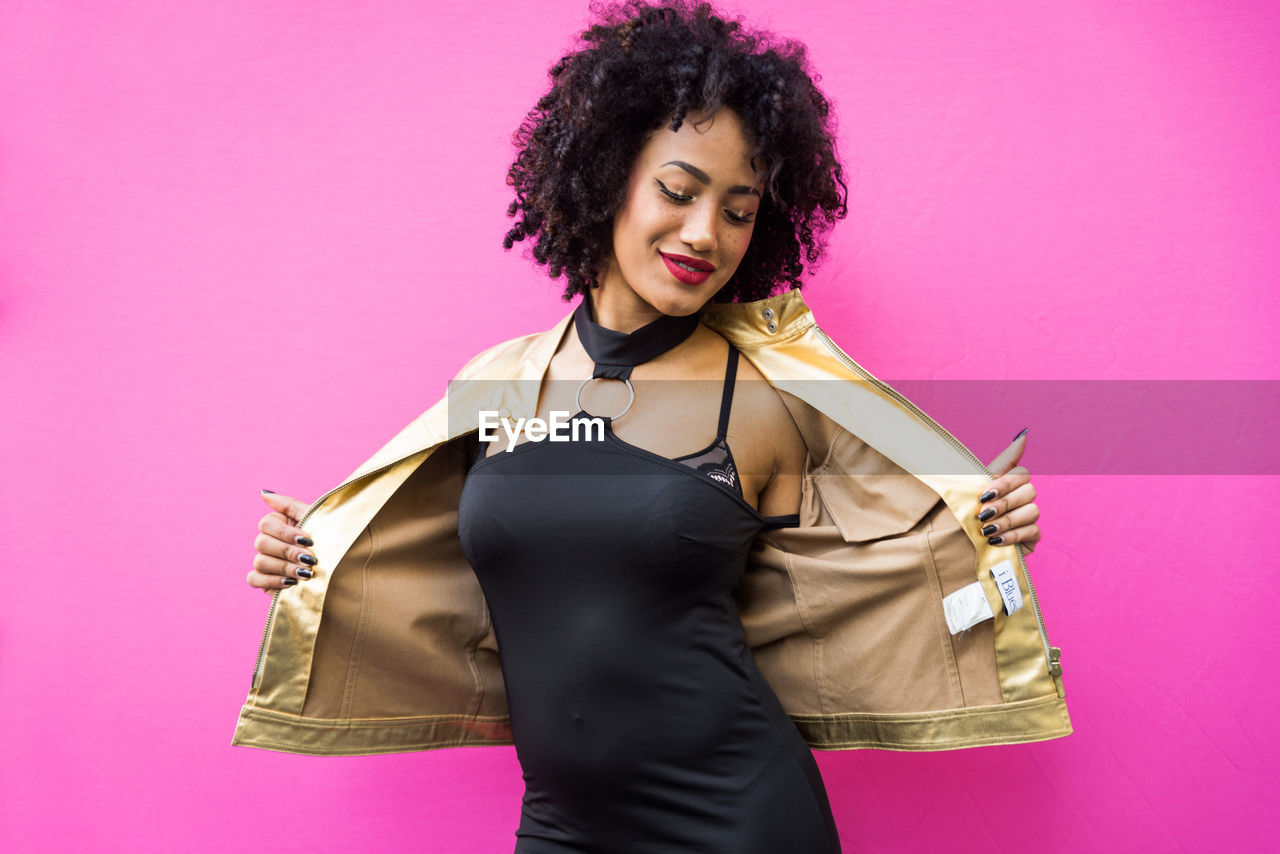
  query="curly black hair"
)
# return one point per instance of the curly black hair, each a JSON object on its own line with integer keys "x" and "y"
{"x": 642, "y": 66}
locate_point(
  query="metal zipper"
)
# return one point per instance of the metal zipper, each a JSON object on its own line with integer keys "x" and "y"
{"x": 1051, "y": 654}
{"x": 275, "y": 596}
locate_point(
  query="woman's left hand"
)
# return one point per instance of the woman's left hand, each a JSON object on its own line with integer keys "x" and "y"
{"x": 1007, "y": 513}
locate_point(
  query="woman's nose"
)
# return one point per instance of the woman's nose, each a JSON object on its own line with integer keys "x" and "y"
{"x": 699, "y": 228}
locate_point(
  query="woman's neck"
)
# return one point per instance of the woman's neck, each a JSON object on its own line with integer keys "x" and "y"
{"x": 620, "y": 315}
{"x": 615, "y": 352}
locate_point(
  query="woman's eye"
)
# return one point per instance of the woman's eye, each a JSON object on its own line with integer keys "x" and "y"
{"x": 679, "y": 197}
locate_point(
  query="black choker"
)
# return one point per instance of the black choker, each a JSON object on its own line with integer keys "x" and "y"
{"x": 616, "y": 353}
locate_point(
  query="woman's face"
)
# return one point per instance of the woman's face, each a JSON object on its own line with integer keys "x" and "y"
{"x": 686, "y": 220}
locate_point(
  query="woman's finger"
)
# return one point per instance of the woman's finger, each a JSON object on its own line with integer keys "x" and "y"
{"x": 1005, "y": 484}
{"x": 999, "y": 499}
{"x": 270, "y": 546}
{"x": 291, "y": 508}
{"x": 1027, "y": 514}
{"x": 269, "y": 582}
{"x": 268, "y": 565}
{"x": 276, "y": 525}
{"x": 1009, "y": 456}
{"x": 1020, "y": 496}
{"x": 1028, "y": 535}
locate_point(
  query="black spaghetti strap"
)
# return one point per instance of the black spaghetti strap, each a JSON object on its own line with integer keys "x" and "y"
{"x": 726, "y": 397}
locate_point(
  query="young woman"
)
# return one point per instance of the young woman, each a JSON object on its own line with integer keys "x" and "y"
{"x": 678, "y": 173}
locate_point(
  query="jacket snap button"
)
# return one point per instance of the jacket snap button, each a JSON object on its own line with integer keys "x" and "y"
{"x": 768, "y": 314}
{"x": 772, "y": 327}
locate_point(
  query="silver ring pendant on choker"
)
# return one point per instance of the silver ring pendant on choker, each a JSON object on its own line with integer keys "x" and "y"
{"x": 616, "y": 353}
{"x": 630, "y": 388}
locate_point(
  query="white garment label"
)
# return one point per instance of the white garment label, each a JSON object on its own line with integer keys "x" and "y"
{"x": 967, "y": 607}
{"x": 1007, "y": 581}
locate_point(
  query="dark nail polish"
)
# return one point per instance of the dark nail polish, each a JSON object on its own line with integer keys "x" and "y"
{"x": 289, "y": 582}
{"x": 995, "y": 541}
{"x": 270, "y": 491}
{"x": 989, "y": 530}
{"x": 1021, "y": 432}
{"x": 305, "y": 573}
{"x": 304, "y": 541}
{"x": 986, "y": 514}
{"x": 987, "y": 496}
{"x": 307, "y": 559}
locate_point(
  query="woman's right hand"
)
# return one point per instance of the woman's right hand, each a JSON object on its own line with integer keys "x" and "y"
{"x": 283, "y": 558}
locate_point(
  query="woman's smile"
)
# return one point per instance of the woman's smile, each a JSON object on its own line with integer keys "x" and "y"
{"x": 691, "y": 271}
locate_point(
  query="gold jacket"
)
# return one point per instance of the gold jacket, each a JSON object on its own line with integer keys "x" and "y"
{"x": 390, "y": 648}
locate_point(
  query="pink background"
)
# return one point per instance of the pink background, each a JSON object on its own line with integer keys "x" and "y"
{"x": 243, "y": 243}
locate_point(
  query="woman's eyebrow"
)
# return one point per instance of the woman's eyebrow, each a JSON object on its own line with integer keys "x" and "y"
{"x": 738, "y": 189}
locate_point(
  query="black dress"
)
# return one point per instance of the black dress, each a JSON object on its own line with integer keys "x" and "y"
{"x": 638, "y": 714}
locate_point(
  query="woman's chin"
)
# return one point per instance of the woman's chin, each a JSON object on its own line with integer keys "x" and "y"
{"x": 679, "y": 299}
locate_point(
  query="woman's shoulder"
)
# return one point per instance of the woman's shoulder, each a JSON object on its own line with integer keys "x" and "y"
{"x": 755, "y": 393}
{"x": 762, "y": 431}
{"x": 758, "y": 403}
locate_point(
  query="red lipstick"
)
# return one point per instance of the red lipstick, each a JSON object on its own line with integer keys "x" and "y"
{"x": 691, "y": 271}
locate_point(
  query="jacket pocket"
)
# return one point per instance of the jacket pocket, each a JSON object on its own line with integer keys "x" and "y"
{"x": 864, "y": 494}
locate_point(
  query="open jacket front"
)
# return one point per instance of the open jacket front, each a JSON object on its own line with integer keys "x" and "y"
{"x": 389, "y": 647}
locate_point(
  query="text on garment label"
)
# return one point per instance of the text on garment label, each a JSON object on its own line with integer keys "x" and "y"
{"x": 966, "y": 607}
{"x": 1007, "y": 582}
